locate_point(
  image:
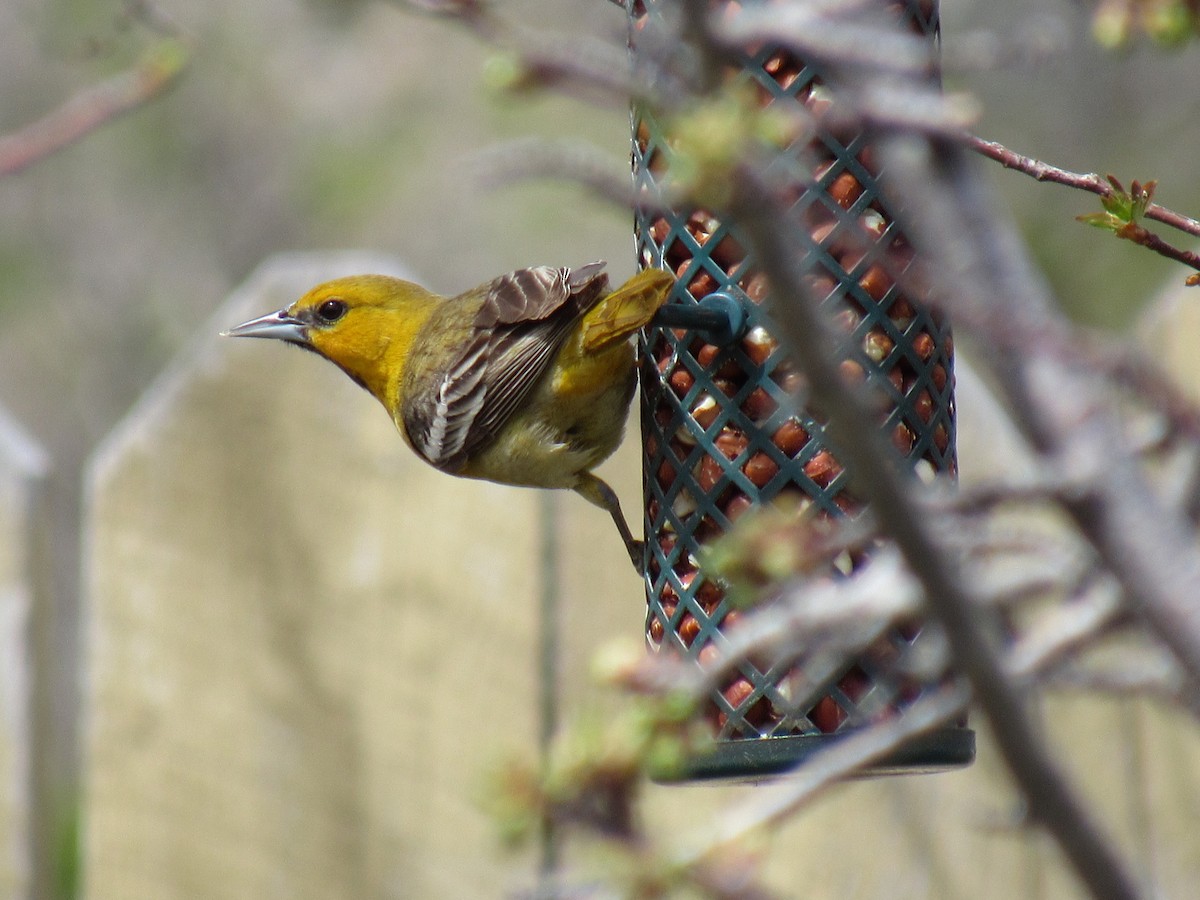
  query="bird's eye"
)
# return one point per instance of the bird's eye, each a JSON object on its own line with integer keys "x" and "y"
{"x": 331, "y": 310}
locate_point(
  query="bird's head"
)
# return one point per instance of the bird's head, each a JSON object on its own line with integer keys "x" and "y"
{"x": 364, "y": 324}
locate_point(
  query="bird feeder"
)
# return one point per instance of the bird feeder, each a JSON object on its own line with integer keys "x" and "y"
{"x": 725, "y": 427}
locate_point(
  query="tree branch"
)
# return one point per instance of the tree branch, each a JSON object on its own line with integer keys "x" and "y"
{"x": 824, "y": 770}
{"x": 1091, "y": 182}
{"x": 93, "y": 107}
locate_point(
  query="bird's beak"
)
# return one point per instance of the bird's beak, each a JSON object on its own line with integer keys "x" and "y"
{"x": 278, "y": 325}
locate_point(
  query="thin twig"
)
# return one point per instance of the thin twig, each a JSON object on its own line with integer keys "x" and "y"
{"x": 823, "y": 771}
{"x": 588, "y": 68}
{"x": 1013, "y": 582}
{"x": 827, "y": 32}
{"x": 831, "y": 620}
{"x": 1089, "y": 181}
{"x": 93, "y": 107}
{"x": 1066, "y": 628}
{"x": 571, "y": 160}
{"x": 858, "y": 608}
{"x": 1143, "y": 237}
{"x": 1144, "y": 673}
{"x": 1048, "y": 484}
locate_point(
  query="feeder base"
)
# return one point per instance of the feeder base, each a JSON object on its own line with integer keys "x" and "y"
{"x": 758, "y": 758}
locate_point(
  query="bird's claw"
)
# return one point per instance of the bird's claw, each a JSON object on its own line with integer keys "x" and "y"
{"x": 637, "y": 553}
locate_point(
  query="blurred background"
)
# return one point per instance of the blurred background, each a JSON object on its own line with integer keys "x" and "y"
{"x": 328, "y": 124}
{"x": 325, "y": 125}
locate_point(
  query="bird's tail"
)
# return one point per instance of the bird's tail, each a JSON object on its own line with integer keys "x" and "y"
{"x": 626, "y": 309}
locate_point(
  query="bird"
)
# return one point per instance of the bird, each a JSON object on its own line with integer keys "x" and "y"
{"x": 524, "y": 380}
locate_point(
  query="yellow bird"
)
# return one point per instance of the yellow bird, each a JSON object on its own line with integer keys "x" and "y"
{"x": 525, "y": 380}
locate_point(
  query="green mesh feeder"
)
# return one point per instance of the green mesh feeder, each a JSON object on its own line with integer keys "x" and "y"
{"x": 725, "y": 427}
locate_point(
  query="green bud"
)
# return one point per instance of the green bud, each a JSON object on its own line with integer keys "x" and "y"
{"x": 667, "y": 758}
{"x": 677, "y": 706}
{"x": 505, "y": 73}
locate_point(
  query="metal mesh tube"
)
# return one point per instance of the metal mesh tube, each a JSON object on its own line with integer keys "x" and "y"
{"x": 726, "y": 427}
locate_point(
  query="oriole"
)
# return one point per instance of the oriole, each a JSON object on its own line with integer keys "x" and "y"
{"x": 525, "y": 380}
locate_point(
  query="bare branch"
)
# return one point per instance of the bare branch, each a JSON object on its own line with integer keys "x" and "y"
{"x": 1144, "y": 673}
{"x": 1089, "y": 181}
{"x": 585, "y": 67}
{"x": 1065, "y": 629}
{"x": 824, "y": 770}
{"x": 1143, "y": 237}
{"x": 839, "y": 616}
{"x": 828, "y": 32}
{"x": 574, "y": 161}
{"x": 1048, "y": 484}
{"x": 93, "y": 107}
{"x": 831, "y": 621}
{"x": 588, "y": 69}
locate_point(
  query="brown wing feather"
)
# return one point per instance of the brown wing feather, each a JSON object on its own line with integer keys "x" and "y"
{"x": 532, "y": 295}
{"x": 522, "y": 324}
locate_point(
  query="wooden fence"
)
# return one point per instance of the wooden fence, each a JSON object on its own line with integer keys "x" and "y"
{"x": 23, "y": 473}
{"x": 304, "y": 649}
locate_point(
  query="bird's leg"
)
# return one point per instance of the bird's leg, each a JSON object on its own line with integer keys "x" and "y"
{"x": 594, "y": 490}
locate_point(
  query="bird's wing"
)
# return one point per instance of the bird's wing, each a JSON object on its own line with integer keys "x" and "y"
{"x": 518, "y": 331}
{"x": 531, "y": 295}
